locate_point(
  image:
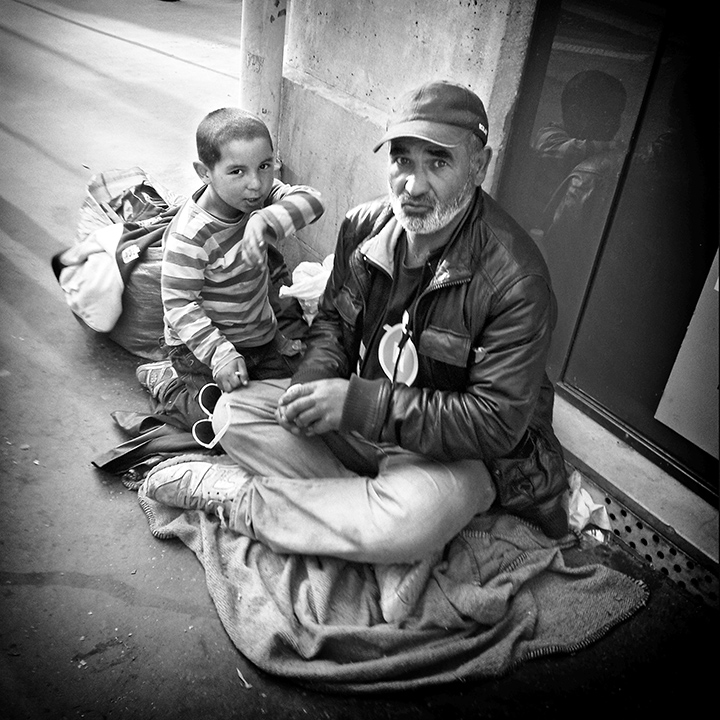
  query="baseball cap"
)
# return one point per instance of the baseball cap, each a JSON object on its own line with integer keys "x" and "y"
{"x": 441, "y": 112}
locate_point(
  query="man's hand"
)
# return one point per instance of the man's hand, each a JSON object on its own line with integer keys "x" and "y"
{"x": 255, "y": 238}
{"x": 312, "y": 408}
{"x": 232, "y": 375}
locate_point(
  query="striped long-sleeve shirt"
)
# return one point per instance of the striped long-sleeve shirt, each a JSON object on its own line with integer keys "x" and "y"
{"x": 212, "y": 298}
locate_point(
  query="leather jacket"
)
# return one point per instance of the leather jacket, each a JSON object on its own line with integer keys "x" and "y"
{"x": 482, "y": 329}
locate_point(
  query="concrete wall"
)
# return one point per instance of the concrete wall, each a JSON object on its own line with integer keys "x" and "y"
{"x": 346, "y": 63}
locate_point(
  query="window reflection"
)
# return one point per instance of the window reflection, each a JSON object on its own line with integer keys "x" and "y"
{"x": 659, "y": 247}
{"x": 561, "y": 186}
{"x": 577, "y": 159}
{"x": 612, "y": 169}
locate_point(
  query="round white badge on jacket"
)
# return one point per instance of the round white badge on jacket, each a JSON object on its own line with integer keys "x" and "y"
{"x": 399, "y": 363}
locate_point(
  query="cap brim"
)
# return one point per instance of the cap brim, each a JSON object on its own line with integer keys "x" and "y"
{"x": 448, "y": 136}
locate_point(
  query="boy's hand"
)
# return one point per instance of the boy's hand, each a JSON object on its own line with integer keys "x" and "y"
{"x": 255, "y": 238}
{"x": 232, "y": 375}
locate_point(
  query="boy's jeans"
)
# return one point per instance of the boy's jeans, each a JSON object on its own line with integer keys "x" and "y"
{"x": 179, "y": 400}
{"x": 302, "y": 499}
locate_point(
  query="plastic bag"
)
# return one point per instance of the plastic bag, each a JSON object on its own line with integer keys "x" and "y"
{"x": 93, "y": 288}
{"x": 116, "y": 196}
{"x": 111, "y": 276}
{"x": 140, "y": 326}
{"x": 309, "y": 281}
{"x": 585, "y": 514}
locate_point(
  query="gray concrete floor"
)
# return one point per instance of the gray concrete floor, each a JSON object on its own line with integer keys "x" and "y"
{"x": 97, "y": 618}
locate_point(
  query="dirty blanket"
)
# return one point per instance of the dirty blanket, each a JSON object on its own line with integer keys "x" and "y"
{"x": 501, "y": 594}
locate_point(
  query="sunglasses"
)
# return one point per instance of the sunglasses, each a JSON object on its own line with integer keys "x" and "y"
{"x": 202, "y": 430}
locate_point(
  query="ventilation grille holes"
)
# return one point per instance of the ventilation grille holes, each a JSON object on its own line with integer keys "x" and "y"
{"x": 662, "y": 554}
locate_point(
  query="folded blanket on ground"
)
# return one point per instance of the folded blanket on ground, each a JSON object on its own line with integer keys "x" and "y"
{"x": 500, "y": 594}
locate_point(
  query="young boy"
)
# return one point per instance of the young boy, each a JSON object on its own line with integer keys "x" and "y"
{"x": 219, "y": 324}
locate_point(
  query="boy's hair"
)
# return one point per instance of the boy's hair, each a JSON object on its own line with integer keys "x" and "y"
{"x": 223, "y": 125}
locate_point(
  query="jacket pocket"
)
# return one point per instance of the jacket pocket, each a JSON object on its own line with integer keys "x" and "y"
{"x": 445, "y": 346}
{"x": 531, "y": 475}
{"x": 531, "y": 483}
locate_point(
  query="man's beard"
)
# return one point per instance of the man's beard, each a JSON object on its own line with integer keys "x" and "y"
{"x": 441, "y": 215}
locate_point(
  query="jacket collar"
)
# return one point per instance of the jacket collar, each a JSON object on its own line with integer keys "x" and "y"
{"x": 379, "y": 248}
{"x": 456, "y": 262}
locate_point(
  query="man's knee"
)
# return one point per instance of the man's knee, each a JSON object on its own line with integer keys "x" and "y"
{"x": 411, "y": 520}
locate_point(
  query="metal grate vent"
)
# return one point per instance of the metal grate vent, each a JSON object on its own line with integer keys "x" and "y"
{"x": 662, "y": 554}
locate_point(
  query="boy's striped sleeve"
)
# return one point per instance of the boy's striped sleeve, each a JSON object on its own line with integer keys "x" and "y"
{"x": 290, "y": 208}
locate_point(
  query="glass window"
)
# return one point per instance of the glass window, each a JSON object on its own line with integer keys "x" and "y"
{"x": 564, "y": 171}
{"x": 612, "y": 170}
{"x": 661, "y": 242}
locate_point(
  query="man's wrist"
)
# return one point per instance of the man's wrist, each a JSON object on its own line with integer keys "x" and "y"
{"x": 365, "y": 407}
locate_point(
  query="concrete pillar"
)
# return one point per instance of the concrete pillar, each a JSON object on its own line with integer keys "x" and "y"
{"x": 262, "y": 41}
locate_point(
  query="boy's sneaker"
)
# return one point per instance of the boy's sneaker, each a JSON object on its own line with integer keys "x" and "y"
{"x": 155, "y": 376}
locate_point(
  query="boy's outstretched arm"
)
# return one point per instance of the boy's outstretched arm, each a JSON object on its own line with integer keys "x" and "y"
{"x": 288, "y": 209}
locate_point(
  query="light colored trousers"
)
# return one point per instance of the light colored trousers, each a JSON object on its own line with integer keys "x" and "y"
{"x": 300, "y": 499}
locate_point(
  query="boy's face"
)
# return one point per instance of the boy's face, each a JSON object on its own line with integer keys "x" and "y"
{"x": 241, "y": 179}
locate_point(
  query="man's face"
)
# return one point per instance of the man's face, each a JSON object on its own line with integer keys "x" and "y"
{"x": 429, "y": 184}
